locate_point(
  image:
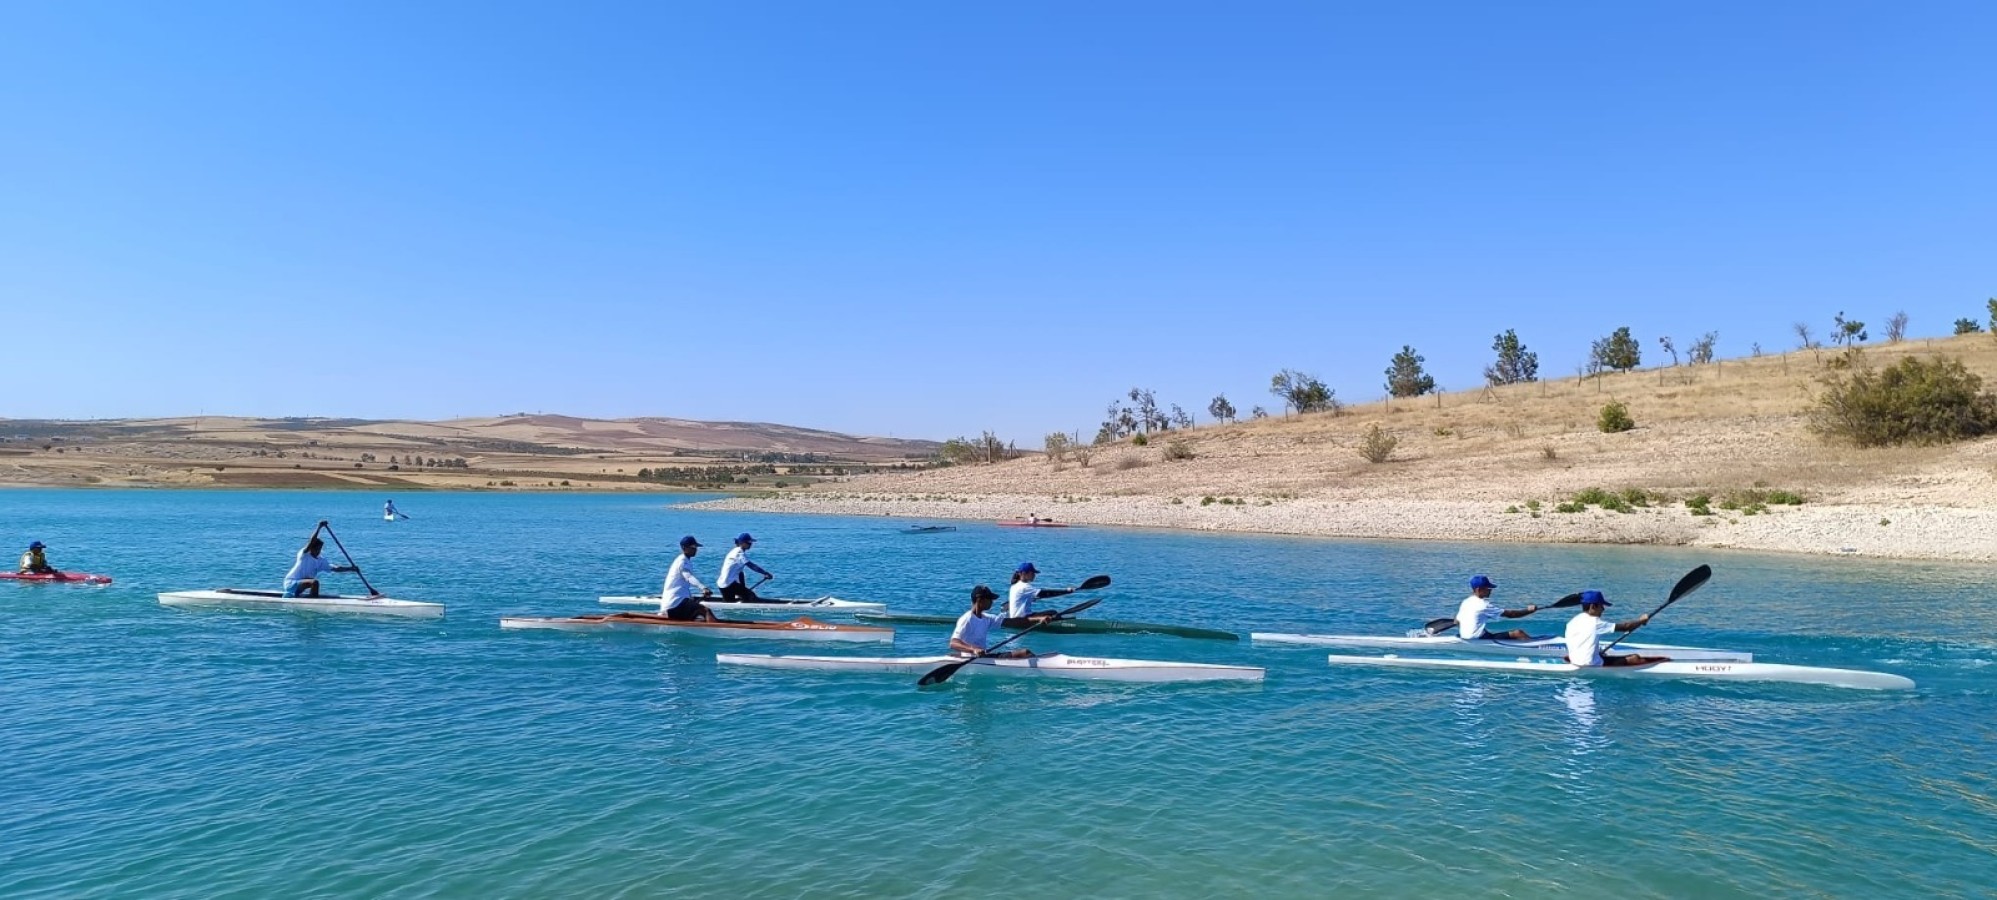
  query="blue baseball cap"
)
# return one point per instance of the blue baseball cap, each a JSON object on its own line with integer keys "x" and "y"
{"x": 688, "y": 541}
{"x": 744, "y": 538}
{"x": 1480, "y": 581}
{"x": 1026, "y": 567}
{"x": 38, "y": 545}
{"x": 1594, "y": 598}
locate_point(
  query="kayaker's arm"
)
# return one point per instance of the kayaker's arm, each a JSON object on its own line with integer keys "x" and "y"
{"x": 1520, "y": 613}
{"x": 1056, "y": 592}
{"x": 758, "y": 569}
{"x": 1633, "y": 624}
{"x": 961, "y": 647}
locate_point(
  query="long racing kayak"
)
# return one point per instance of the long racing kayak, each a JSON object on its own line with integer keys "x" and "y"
{"x": 766, "y": 604}
{"x": 239, "y": 598}
{"x": 57, "y": 577}
{"x": 799, "y": 629}
{"x": 1551, "y": 647}
{"x": 1069, "y": 626}
{"x": 1720, "y": 671}
{"x": 1053, "y": 665}
{"x": 1023, "y": 523}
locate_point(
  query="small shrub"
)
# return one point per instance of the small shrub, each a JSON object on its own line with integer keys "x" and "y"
{"x": 1140, "y": 441}
{"x": 1700, "y": 504}
{"x": 1910, "y": 402}
{"x": 1178, "y": 450}
{"x": 1615, "y": 418}
{"x": 1569, "y": 508}
{"x": 1548, "y": 453}
{"x": 1127, "y": 462}
{"x": 1885, "y": 521}
{"x": 1532, "y": 505}
{"x": 783, "y": 484}
{"x": 1443, "y": 431}
{"x": 1178, "y": 502}
{"x": 1377, "y": 446}
{"x": 1785, "y": 498}
{"x": 1511, "y": 509}
{"x": 1206, "y": 500}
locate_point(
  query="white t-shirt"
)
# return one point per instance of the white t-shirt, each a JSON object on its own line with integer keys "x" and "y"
{"x": 1475, "y": 613}
{"x": 974, "y": 629}
{"x": 1019, "y": 600}
{"x": 306, "y": 566}
{"x": 680, "y": 584}
{"x": 1584, "y": 633}
{"x": 731, "y": 567}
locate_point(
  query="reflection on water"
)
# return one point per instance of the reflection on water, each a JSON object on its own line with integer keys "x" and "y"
{"x": 1584, "y": 732}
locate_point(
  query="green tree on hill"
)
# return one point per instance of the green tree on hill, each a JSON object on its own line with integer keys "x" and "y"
{"x": 1220, "y": 409}
{"x": 1515, "y": 363}
{"x": 1618, "y": 351}
{"x": 1405, "y": 375}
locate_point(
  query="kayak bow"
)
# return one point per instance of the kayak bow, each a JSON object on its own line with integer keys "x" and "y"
{"x": 238, "y": 598}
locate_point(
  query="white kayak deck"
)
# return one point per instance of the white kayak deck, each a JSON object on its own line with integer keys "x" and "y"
{"x": 800, "y": 629}
{"x": 243, "y": 598}
{"x": 1548, "y": 647}
{"x": 1719, "y": 671}
{"x": 766, "y": 604}
{"x": 1053, "y": 665}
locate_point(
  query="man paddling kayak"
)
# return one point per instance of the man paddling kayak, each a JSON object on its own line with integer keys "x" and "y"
{"x": 734, "y": 584}
{"x": 36, "y": 561}
{"x": 1020, "y": 598}
{"x": 303, "y": 579}
{"x": 1584, "y": 633}
{"x": 1477, "y": 612}
{"x": 974, "y": 629}
{"x": 676, "y": 600}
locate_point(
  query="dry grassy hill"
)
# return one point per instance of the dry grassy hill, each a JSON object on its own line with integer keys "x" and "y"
{"x": 519, "y": 451}
{"x": 1736, "y": 423}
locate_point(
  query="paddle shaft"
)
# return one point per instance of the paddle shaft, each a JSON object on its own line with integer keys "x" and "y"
{"x": 350, "y": 558}
{"x": 1437, "y": 626}
{"x": 1692, "y": 581}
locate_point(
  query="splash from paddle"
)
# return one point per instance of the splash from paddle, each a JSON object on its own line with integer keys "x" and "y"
{"x": 1692, "y": 581}
{"x": 943, "y": 672}
{"x": 1438, "y": 626}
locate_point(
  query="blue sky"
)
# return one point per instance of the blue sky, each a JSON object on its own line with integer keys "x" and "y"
{"x": 929, "y": 219}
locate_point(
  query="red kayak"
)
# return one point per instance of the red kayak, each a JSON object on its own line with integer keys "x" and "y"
{"x": 64, "y": 577}
{"x": 1023, "y": 523}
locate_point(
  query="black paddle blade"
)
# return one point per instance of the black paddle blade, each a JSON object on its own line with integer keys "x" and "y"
{"x": 1096, "y": 582}
{"x": 1692, "y": 581}
{"x": 942, "y": 673}
{"x": 1564, "y": 602}
{"x": 1438, "y": 626}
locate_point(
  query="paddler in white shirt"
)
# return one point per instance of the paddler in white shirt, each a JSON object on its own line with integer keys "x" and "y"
{"x": 1477, "y": 612}
{"x": 734, "y": 584}
{"x": 974, "y": 629}
{"x": 676, "y": 599}
{"x": 1019, "y": 599}
{"x": 1585, "y": 630}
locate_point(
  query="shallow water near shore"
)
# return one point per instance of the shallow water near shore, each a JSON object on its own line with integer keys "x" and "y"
{"x": 153, "y": 752}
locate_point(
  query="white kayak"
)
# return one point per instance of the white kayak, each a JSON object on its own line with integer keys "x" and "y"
{"x": 241, "y": 598}
{"x": 766, "y": 604}
{"x": 800, "y": 629}
{"x": 1721, "y": 671}
{"x": 1052, "y": 665}
{"x": 1551, "y": 647}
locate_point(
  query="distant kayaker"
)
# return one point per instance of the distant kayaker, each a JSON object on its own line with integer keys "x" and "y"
{"x": 734, "y": 584}
{"x": 389, "y": 512}
{"x": 1020, "y": 598}
{"x": 676, "y": 601}
{"x": 303, "y": 579}
{"x": 974, "y": 629}
{"x": 1477, "y": 612}
{"x": 1584, "y": 633}
{"x": 36, "y": 561}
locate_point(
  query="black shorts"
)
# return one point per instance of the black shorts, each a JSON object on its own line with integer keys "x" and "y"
{"x": 688, "y": 611}
{"x": 738, "y": 592}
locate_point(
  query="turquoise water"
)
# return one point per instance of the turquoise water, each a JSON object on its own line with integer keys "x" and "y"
{"x": 151, "y": 752}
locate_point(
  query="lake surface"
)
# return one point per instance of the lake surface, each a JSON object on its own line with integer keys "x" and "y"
{"x": 153, "y": 752}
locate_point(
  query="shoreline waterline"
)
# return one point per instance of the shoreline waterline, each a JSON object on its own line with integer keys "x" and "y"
{"x": 1874, "y": 531}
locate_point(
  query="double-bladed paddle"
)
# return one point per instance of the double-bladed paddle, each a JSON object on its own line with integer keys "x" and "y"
{"x": 1437, "y": 626}
{"x": 943, "y": 672}
{"x": 1692, "y": 581}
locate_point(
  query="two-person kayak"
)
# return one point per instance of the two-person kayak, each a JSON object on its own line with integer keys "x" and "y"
{"x": 1669, "y": 669}
{"x": 803, "y": 628}
{"x": 1066, "y": 626}
{"x": 761, "y": 604}
{"x": 1051, "y": 665}
{"x": 56, "y": 577}
{"x": 1548, "y": 647}
{"x": 242, "y": 598}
